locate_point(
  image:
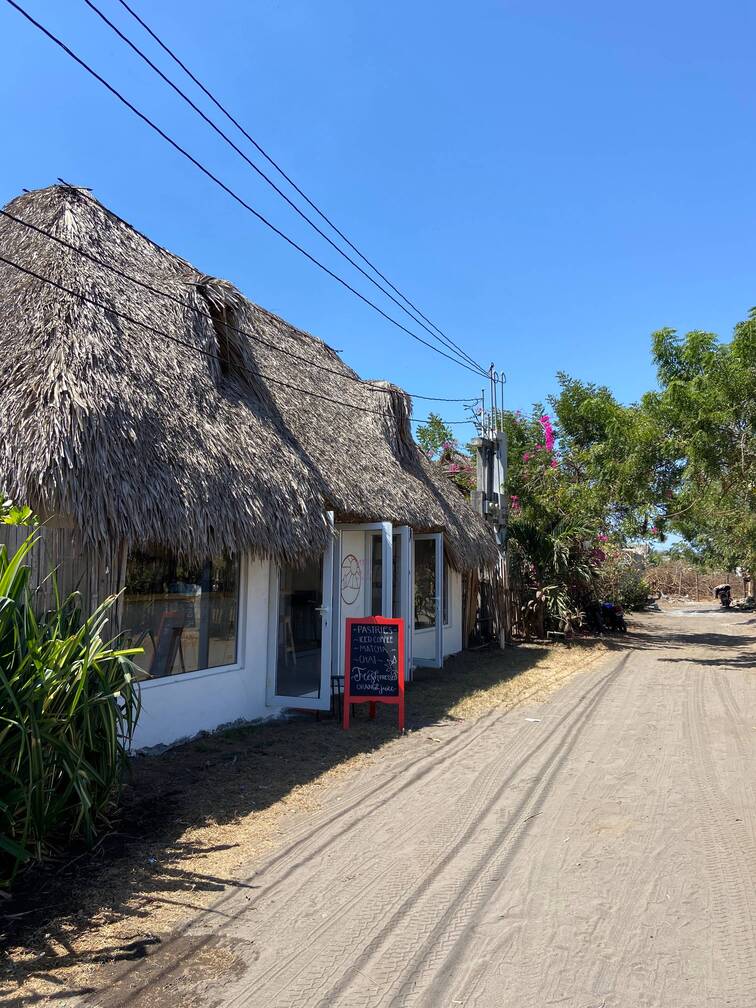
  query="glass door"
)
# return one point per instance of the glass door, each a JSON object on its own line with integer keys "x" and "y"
{"x": 299, "y": 664}
{"x": 428, "y": 632}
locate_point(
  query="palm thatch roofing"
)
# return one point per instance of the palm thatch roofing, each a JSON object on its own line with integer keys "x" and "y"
{"x": 185, "y": 439}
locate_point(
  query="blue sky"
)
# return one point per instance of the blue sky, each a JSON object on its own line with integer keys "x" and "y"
{"x": 549, "y": 182}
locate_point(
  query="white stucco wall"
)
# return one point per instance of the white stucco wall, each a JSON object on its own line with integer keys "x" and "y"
{"x": 180, "y": 706}
{"x": 453, "y": 630}
{"x": 424, "y": 641}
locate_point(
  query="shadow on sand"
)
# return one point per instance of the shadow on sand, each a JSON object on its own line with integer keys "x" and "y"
{"x": 216, "y": 779}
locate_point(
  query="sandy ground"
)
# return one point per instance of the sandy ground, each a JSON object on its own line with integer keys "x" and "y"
{"x": 594, "y": 848}
{"x": 197, "y": 821}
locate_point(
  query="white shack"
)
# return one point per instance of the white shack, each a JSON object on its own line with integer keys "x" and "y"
{"x": 241, "y": 486}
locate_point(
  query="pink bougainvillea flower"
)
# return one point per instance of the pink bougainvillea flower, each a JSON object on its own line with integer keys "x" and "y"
{"x": 602, "y": 538}
{"x": 455, "y": 467}
{"x": 525, "y": 456}
{"x": 654, "y": 530}
{"x": 548, "y": 432}
{"x": 554, "y": 463}
{"x": 447, "y": 446}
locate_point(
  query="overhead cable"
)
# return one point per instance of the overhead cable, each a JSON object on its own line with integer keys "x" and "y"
{"x": 224, "y": 136}
{"x": 194, "y": 308}
{"x": 205, "y": 353}
{"x": 235, "y": 196}
{"x": 280, "y": 170}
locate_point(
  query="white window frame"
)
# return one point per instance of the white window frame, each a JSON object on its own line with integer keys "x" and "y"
{"x": 447, "y": 587}
{"x": 241, "y": 641}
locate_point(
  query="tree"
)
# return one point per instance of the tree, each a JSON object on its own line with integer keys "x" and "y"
{"x": 706, "y": 407}
{"x": 432, "y": 435}
{"x": 555, "y": 521}
{"x": 621, "y": 453}
{"x": 681, "y": 460}
{"x": 439, "y": 445}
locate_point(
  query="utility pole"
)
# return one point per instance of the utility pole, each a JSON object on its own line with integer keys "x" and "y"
{"x": 489, "y": 497}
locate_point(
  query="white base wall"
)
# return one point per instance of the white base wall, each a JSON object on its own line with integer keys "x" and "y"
{"x": 180, "y": 706}
{"x": 453, "y": 629}
{"x": 424, "y": 641}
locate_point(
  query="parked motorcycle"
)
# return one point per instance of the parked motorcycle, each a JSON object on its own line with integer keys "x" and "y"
{"x": 724, "y": 594}
{"x": 605, "y": 616}
{"x": 613, "y": 616}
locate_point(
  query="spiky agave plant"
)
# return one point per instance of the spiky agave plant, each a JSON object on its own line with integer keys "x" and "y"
{"x": 68, "y": 708}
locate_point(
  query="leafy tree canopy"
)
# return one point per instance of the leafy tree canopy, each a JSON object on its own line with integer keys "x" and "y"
{"x": 432, "y": 435}
{"x": 705, "y": 409}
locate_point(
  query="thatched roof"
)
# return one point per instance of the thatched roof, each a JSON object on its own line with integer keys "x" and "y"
{"x": 134, "y": 437}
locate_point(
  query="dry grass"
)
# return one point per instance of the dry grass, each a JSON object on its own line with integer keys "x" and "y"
{"x": 197, "y": 820}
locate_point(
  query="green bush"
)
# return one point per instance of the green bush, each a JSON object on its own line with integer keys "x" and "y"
{"x": 635, "y": 595}
{"x": 68, "y": 708}
{"x": 622, "y": 579}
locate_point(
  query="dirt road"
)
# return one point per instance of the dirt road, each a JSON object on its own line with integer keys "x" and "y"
{"x": 596, "y": 850}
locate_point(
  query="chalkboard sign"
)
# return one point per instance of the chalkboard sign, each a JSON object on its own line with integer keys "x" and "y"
{"x": 373, "y": 659}
{"x": 374, "y": 671}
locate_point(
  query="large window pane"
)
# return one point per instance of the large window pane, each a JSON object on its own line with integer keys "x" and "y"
{"x": 425, "y": 584}
{"x": 185, "y": 616}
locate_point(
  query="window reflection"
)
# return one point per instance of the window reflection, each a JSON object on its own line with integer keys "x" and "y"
{"x": 376, "y": 576}
{"x": 300, "y": 630}
{"x": 185, "y": 616}
{"x": 425, "y": 584}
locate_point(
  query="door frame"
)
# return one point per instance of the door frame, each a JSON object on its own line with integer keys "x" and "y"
{"x": 323, "y": 701}
{"x": 438, "y": 656}
{"x": 387, "y": 584}
{"x": 407, "y": 597}
{"x": 387, "y": 551}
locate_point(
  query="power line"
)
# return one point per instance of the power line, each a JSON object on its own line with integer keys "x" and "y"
{"x": 235, "y": 196}
{"x": 455, "y": 348}
{"x": 283, "y": 174}
{"x": 206, "y": 353}
{"x": 184, "y": 304}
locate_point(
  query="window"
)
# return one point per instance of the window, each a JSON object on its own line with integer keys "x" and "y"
{"x": 185, "y": 616}
{"x": 425, "y": 584}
